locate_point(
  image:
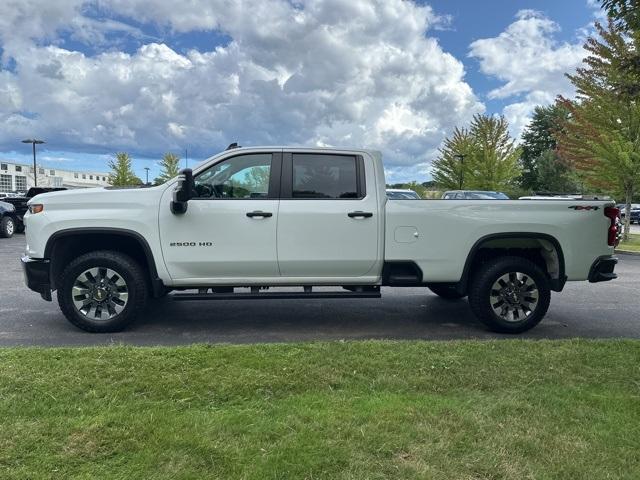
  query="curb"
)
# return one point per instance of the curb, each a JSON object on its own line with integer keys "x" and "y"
{"x": 628, "y": 252}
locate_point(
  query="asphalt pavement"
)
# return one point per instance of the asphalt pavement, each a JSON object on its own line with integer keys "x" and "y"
{"x": 610, "y": 309}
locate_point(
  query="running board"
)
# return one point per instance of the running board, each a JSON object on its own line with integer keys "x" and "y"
{"x": 273, "y": 295}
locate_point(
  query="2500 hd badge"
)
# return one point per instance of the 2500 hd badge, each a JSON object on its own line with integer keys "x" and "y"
{"x": 191, "y": 244}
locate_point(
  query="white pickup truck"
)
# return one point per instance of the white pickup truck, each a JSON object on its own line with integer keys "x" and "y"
{"x": 304, "y": 218}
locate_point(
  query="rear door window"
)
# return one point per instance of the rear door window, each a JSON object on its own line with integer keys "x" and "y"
{"x": 325, "y": 176}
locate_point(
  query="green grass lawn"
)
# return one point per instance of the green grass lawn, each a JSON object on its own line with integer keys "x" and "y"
{"x": 355, "y": 410}
{"x": 633, "y": 244}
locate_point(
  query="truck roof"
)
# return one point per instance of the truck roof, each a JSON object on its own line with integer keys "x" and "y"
{"x": 299, "y": 148}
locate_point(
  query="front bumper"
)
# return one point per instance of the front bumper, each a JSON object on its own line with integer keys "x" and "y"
{"x": 602, "y": 269}
{"x": 37, "y": 275}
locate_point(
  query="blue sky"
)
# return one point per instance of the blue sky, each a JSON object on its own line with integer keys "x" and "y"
{"x": 474, "y": 20}
{"x": 149, "y": 76}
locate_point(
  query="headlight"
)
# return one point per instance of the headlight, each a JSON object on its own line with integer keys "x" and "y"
{"x": 36, "y": 208}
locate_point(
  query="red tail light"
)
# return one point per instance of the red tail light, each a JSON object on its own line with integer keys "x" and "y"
{"x": 614, "y": 215}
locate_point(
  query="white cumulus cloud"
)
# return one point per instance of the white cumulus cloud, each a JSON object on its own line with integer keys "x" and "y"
{"x": 530, "y": 62}
{"x": 314, "y": 72}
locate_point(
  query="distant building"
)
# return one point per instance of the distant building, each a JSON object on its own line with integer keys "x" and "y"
{"x": 19, "y": 177}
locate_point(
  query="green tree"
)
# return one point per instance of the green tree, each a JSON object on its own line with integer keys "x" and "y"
{"x": 448, "y": 170}
{"x": 602, "y": 135}
{"x": 121, "y": 171}
{"x": 490, "y": 157}
{"x": 542, "y": 167}
{"x": 554, "y": 174}
{"x": 624, "y": 16}
{"x": 495, "y": 156}
{"x": 170, "y": 168}
{"x": 624, "y": 13}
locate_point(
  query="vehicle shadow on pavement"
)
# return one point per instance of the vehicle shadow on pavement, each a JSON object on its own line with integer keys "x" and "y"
{"x": 400, "y": 317}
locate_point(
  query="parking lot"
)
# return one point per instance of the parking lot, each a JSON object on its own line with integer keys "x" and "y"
{"x": 581, "y": 310}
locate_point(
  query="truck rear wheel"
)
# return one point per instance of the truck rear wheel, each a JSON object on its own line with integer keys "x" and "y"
{"x": 7, "y": 227}
{"x": 446, "y": 292}
{"x": 510, "y": 294}
{"x": 102, "y": 291}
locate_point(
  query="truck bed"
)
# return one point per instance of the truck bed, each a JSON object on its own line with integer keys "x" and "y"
{"x": 438, "y": 234}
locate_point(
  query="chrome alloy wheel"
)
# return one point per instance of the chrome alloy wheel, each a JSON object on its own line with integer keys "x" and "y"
{"x": 10, "y": 227}
{"x": 100, "y": 293}
{"x": 514, "y": 296}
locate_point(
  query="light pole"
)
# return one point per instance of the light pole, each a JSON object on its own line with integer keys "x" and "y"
{"x": 33, "y": 142}
{"x": 460, "y": 157}
{"x": 147, "y": 169}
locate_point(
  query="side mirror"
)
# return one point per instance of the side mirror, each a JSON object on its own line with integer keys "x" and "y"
{"x": 183, "y": 192}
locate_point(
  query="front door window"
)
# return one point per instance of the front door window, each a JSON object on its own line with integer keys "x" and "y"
{"x": 241, "y": 177}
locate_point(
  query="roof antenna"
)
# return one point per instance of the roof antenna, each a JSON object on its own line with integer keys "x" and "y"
{"x": 233, "y": 145}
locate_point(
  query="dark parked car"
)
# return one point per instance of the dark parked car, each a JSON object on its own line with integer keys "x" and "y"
{"x": 7, "y": 220}
{"x": 473, "y": 195}
{"x": 20, "y": 204}
{"x": 635, "y": 212}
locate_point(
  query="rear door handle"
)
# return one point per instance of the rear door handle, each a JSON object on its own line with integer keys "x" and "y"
{"x": 359, "y": 214}
{"x": 258, "y": 213}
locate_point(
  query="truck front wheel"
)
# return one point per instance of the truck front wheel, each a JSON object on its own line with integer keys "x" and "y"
{"x": 510, "y": 294}
{"x": 102, "y": 291}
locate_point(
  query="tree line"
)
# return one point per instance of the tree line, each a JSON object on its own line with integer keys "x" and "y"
{"x": 590, "y": 143}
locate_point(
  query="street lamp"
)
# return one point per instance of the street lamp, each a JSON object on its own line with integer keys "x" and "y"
{"x": 33, "y": 142}
{"x": 147, "y": 169}
{"x": 460, "y": 157}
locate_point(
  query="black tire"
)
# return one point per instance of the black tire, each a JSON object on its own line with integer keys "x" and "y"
{"x": 447, "y": 292}
{"x": 128, "y": 271}
{"x": 20, "y": 227}
{"x": 482, "y": 289}
{"x": 7, "y": 227}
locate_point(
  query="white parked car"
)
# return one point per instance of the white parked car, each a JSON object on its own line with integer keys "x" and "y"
{"x": 402, "y": 194}
{"x": 474, "y": 195}
{"x": 301, "y": 218}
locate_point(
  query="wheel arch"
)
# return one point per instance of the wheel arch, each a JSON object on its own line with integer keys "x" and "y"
{"x": 70, "y": 243}
{"x": 547, "y": 245}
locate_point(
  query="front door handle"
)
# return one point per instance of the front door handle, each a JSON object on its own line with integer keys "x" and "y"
{"x": 258, "y": 213}
{"x": 359, "y": 214}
